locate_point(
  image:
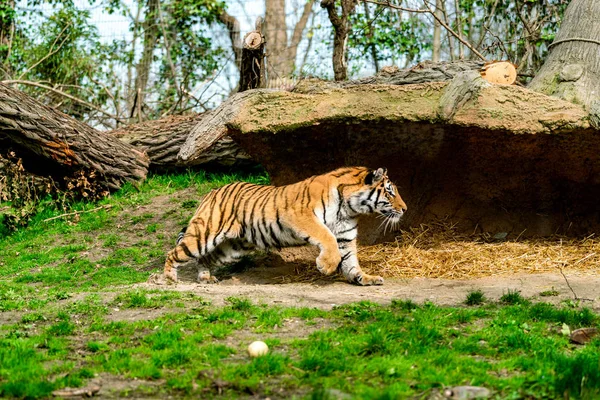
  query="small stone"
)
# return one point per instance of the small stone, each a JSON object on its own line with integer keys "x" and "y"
{"x": 467, "y": 392}
{"x": 583, "y": 335}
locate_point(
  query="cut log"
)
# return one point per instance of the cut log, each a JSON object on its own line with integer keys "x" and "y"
{"x": 52, "y": 143}
{"x": 252, "y": 64}
{"x": 162, "y": 139}
{"x": 500, "y": 72}
{"x": 500, "y": 158}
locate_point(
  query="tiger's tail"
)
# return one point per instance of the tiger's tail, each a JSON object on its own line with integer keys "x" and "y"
{"x": 181, "y": 235}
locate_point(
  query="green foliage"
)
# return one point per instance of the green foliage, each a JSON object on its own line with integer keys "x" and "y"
{"x": 513, "y": 297}
{"x": 522, "y": 29}
{"x": 384, "y": 34}
{"x": 64, "y": 51}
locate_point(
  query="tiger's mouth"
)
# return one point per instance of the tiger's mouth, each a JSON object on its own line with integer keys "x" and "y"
{"x": 393, "y": 214}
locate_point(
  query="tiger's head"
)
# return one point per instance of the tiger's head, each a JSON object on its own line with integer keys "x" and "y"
{"x": 378, "y": 195}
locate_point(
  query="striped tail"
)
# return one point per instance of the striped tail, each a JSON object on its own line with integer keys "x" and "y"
{"x": 181, "y": 235}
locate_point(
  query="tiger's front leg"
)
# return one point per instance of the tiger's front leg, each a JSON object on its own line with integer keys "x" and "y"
{"x": 349, "y": 265}
{"x": 318, "y": 234}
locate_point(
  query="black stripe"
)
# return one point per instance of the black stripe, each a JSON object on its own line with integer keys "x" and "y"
{"x": 377, "y": 198}
{"x": 278, "y": 220}
{"x": 371, "y": 193}
{"x": 274, "y": 237}
{"x": 344, "y": 240}
{"x": 347, "y": 230}
{"x": 324, "y": 211}
{"x": 186, "y": 250}
{"x": 340, "y": 203}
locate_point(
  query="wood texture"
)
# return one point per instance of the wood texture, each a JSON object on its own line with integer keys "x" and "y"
{"x": 162, "y": 139}
{"x": 53, "y": 139}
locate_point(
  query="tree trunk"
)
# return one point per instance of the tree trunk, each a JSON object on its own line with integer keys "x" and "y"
{"x": 341, "y": 29}
{"x": 7, "y": 28}
{"x": 572, "y": 69}
{"x": 162, "y": 139}
{"x": 280, "y": 53}
{"x": 52, "y": 143}
{"x": 372, "y": 46}
{"x": 151, "y": 30}
{"x": 277, "y": 39}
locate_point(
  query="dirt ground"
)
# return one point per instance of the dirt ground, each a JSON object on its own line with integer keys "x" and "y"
{"x": 268, "y": 285}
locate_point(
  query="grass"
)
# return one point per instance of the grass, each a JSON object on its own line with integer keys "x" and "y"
{"x": 366, "y": 350}
{"x": 62, "y": 282}
{"x": 475, "y": 298}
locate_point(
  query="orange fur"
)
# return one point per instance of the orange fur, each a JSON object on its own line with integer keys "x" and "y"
{"x": 322, "y": 210}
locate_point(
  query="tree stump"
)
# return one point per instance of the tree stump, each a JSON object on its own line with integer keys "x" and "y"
{"x": 252, "y": 64}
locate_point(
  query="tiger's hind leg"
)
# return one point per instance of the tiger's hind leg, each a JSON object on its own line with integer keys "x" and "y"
{"x": 349, "y": 265}
{"x": 227, "y": 253}
{"x": 184, "y": 251}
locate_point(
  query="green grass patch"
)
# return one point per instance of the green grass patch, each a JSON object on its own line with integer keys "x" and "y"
{"x": 475, "y": 298}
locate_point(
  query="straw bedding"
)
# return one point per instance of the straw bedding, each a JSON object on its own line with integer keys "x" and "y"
{"x": 440, "y": 251}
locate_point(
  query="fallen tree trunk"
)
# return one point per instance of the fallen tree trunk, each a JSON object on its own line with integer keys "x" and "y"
{"x": 162, "y": 139}
{"x": 493, "y": 157}
{"x": 52, "y": 143}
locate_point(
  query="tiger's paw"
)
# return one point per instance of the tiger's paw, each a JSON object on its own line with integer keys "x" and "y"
{"x": 170, "y": 277}
{"x": 328, "y": 265}
{"x": 206, "y": 277}
{"x": 368, "y": 280}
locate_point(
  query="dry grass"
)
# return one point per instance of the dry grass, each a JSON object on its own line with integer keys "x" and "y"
{"x": 439, "y": 251}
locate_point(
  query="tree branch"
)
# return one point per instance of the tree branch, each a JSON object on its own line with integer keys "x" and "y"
{"x": 60, "y": 92}
{"x": 299, "y": 28}
{"x": 437, "y": 18}
{"x": 233, "y": 27}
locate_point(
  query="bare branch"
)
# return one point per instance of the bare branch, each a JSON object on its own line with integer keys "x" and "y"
{"x": 60, "y": 92}
{"x": 168, "y": 51}
{"x": 299, "y": 28}
{"x": 233, "y": 27}
{"x": 50, "y": 53}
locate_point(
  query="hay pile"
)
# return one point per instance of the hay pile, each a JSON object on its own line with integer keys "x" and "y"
{"x": 439, "y": 251}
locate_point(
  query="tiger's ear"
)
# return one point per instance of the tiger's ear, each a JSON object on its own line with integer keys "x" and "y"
{"x": 375, "y": 176}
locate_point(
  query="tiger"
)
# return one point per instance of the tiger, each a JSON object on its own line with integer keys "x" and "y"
{"x": 323, "y": 211}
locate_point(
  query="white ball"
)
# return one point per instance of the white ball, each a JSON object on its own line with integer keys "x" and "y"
{"x": 257, "y": 349}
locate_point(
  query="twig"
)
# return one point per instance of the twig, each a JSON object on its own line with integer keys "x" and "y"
{"x": 107, "y": 206}
{"x": 50, "y": 53}
{"x": 456, "y": 35}
{"x": 569, "y": 285}
{"x": 60, "y": 92}
{"x": 437, "y": 18}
